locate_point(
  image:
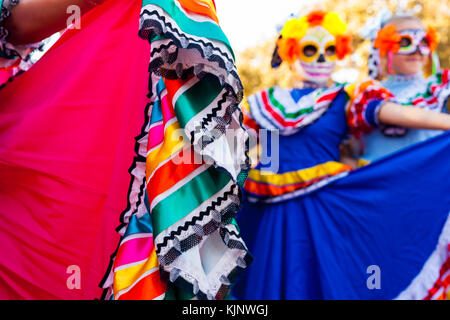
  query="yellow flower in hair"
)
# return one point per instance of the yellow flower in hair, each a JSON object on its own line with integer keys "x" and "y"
{"x": 333, "y": 23}
{"x": 295, "y": 28}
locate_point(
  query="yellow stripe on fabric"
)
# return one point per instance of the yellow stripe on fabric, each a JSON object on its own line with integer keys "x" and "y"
{"x": 350, "y": 90}
{"x": 245, "y": 106}
{"x": 172, "y": 145}
{"x": 362, "y": 162}
{"x": 299, "y": 176}
{"x": 126, "y": 277}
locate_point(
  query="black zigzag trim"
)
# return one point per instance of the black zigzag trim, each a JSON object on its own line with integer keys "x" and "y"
{"x": 222, "y": 123}
{"x": 171, "y": 74}
{"x": 213, "y": 114}
{"x": 165, "y": 47}
{"x": 188, "y": 224}
{"x": 160, "y": 20}
{"x": 210, "y": 118}
{"x": 193, "y": 240}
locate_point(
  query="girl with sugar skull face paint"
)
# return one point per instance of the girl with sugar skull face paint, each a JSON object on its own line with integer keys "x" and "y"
{"x": 317, "y": 55}
{"x": 305, "y": 239}
{"x": 313, "y": 43}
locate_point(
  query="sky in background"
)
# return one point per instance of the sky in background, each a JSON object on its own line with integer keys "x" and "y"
{"x": 249, "y": 22}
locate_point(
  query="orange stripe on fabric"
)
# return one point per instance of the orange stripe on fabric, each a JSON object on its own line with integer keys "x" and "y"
{"x": 299, "y": 176}
{"x": 173, "y": 143}
{"x": 202, "y": 7}
{"x": 171, "y": 173}
{"x": 173, "y": 86}
{"x": 271, "y": 190}
{"x": 249, "y": 122}
{"x": 148, "y": 288}
{"x": 125, "y": 278}
{"x": 266, "y": 189}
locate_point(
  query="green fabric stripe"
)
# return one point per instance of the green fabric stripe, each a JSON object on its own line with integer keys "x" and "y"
{"x": 175, "y": 293}
{"x": 201, "y": 29}
{"x": 278, "y": 105}
{"x": 197, "y": 98}
{"x": 426, "y": 95}
{"x": 233, "y": 221}
{"x": 155, "y": 37}
{"x": 186, "y": 199}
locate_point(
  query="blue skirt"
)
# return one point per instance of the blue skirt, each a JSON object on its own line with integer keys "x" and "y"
{"x": 382, "y": 232}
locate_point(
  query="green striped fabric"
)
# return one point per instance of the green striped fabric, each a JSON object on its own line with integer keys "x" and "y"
{"x": 278, "y": 105}
{"x": 205, "y": 29}
{"x": 197, "y": 98}
{"x": 186, "y": 199}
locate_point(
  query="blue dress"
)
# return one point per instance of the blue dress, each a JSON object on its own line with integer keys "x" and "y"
{"x": 380, "y": 143}
{"x": 316, "y": 230}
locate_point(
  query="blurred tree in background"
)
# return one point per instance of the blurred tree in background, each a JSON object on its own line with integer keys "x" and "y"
{"x": 254, "y": 63}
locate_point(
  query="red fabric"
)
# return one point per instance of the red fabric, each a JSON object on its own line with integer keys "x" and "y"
{"x": 67, "y": 129}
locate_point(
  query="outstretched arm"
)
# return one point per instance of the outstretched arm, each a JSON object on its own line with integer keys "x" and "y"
{"x": 413, "y": 117}
{"x": 34, "y": 20}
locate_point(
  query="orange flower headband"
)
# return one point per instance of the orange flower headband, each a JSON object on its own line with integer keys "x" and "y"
{"x": 389, "y": 41}
{"x": 295, "y": 29}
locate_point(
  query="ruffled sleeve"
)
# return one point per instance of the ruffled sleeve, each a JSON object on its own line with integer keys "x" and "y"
{"x": 10, "y": 55}
{"x": 439, "y": 90}
{"x": 365, "y": 100}
{"x": 195, "y": 90}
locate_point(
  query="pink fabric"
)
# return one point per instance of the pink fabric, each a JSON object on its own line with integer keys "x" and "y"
{"x": 157, "y": 134}
{"x": 67, "y": 129}
{"x": 5, "y": 74}
{"x": 133, "y": 250}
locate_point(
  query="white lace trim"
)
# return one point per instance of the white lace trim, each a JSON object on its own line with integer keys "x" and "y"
{"x": 430, "y": 273}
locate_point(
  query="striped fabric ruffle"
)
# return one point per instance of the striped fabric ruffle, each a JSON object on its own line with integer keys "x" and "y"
{"x": 358, "y": 111}
{"x": 437, "y": 93}
{"x": 434, "y": 98}
{"x": 275, "y": 109}
{"x": 264, "y": 187}
{"x": 433, "y": 281}
{"x": 179, "y": 226}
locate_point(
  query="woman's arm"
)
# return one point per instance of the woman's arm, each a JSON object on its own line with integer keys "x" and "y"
{"x": 34, "y": 20}
{"x": 413, "y": 117}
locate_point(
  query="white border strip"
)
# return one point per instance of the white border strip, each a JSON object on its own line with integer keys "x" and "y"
{"x": 430, "y": 273}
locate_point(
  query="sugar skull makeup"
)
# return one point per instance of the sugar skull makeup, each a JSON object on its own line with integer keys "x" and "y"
{"x": 317, "y": 56}
{"x": 313, "y": 43}
{"x": 413, "y": 40}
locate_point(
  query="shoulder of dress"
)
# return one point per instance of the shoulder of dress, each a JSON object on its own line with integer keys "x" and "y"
{"x": 442, "y": 78}
{"x": 357, "y": 89}
{"x": 275, "y": 94}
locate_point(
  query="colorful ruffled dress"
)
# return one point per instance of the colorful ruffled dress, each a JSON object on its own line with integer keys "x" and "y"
{"x": 430, "y": 93}
{"x": 140, "y": 86}
{"x": 318, "y": 230}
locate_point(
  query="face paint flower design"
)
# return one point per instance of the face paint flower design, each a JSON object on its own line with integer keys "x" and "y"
{"x": 314, "y": 42}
